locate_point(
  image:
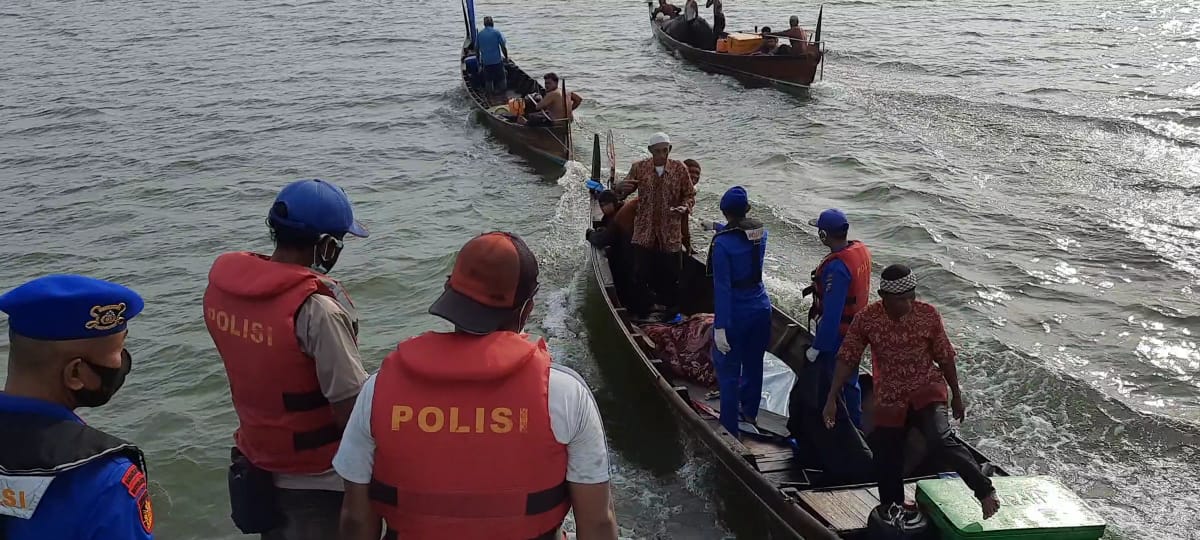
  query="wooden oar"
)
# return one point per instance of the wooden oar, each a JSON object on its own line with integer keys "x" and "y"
{"x": 562, "y": 87}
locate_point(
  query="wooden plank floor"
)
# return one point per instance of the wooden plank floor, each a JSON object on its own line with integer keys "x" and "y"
{"x": 846, "y": 510}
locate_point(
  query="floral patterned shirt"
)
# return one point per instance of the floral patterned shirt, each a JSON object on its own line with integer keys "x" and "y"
{"x": 656, "y": 226}
{"x": 906, "y": 356}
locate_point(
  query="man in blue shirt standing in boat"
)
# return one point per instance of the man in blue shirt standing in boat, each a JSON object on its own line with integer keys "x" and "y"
{"x": 59, "y": 477}
{"x": 493, "y": 51}
{"x": 841, "y": 285}
{"x": 741, "y": 311}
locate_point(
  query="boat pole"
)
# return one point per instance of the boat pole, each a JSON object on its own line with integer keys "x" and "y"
{"x": 466, "y": 21}
{"x": 817, "y": 38}
{"x": 566, "y": 98}
{"x": 596, "y": 157}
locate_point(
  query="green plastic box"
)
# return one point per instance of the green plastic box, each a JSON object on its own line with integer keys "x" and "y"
{"x": 1032, "y": 508}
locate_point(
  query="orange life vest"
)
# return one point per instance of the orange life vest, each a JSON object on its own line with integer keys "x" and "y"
{"x": 516, "y": 106}
{"x": 857, "y": 259}
{"x": 463, "y": 444}
{"x": 285, "y": 423}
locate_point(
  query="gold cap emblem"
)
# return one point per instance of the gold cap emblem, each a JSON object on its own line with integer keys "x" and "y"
{"x": 106, "y": 317}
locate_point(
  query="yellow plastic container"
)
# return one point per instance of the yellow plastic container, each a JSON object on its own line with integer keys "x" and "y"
{"x": 739, "y": 43}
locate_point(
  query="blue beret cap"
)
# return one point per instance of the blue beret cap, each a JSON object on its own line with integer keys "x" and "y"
{"x": 735, "y": 200}
{"x": 65, "y": 307}
{"x": 833, "y": 220}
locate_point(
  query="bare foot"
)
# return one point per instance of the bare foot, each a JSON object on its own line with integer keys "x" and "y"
{"x": 990, "y": 505}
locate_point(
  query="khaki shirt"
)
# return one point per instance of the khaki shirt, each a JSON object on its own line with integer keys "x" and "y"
{"x": 326, "y": 333}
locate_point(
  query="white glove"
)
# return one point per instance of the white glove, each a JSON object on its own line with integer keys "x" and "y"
{"x": 812, "y": 354}
{"x": 721, "y": 340}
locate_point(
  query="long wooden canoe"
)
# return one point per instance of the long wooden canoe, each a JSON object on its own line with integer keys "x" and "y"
{"x": 798, "y": 499}
{"x": 773, "y": 70}
{"x": 549, "y": 140}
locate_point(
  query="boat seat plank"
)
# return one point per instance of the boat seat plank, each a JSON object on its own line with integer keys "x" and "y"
{"x": 847, "y": 510}
{"x": 773, "y": 422}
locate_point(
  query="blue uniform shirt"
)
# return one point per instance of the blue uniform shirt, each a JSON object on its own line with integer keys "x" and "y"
{"x": 835, "y": 285}
{"x": 103, "y": 500}
{"x": 488, "y": 42}
{"x": 733, "y": 260}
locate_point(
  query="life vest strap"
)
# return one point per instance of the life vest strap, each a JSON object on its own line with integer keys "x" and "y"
{"x": 546, "y": 499}
{"x": 311, "y": 440}
{"x": 304, "y": 401}
{"x": 468, "y": 505}
{"x": 756, "y": 270}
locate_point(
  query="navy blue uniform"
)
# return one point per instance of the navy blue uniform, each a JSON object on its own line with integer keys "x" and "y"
{"x": 59, "y": 478}
{"x": 743, "y": 309}
{"x": 105, "y": 499}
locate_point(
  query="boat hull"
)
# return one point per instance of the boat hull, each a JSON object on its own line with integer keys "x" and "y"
{"x": 765, "y": 470}
{"x": 772, "y": 70}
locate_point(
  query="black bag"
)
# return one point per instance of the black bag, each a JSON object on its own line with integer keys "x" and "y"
{"x": 251, "y": 496}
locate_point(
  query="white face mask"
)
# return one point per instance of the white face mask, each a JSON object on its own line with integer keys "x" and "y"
{"x": 659, "y": 169}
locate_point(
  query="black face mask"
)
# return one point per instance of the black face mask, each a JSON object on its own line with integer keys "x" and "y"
{"x": 111, "y": 380}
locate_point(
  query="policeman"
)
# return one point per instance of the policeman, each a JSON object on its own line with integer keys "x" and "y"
{"x": 60, "y": 478}
{"x": 742, "y": 310}
{"x": 842, "y": 286}
{"x": 287, "y": 333}
{"x": 475, "y": 434}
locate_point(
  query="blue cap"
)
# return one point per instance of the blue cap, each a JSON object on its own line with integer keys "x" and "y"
{"x": 64, "y": 307}
{"x": 318, "y": 207}
{"x": 831, "y": 220}
{"x": 735, "y": 200}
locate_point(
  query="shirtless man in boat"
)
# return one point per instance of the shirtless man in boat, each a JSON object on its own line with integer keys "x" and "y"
{"x": 798, "y": 39}
{"x": 552, "y": 103}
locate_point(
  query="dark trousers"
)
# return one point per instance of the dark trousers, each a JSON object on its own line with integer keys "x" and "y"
{"x": 307, "y": 514}
{"x": 495, "y": 78}
{"x": 658, "y": 273}
{"x": 740, "y": 371}
{"x": 888, "y": 445}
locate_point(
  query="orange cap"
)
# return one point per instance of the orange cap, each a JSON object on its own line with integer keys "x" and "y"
{"x": 494, "y": 275}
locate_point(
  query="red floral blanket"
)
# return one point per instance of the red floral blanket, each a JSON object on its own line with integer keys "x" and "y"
{"x": 686, "y": 347}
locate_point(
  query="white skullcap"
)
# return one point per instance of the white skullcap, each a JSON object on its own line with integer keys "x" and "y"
{"x": 659, "y": 138}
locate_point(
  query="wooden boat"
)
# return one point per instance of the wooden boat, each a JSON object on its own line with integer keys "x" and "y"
{"x": 796, "y": 497}
{"x": 770, "y": 70}
{"x": 551, "y": 140}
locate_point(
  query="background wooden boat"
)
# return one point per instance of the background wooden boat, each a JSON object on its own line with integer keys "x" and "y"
{"x": 797, "y": 498}
{"x": 778, "y": 70}
{"x": 551, "y": 140}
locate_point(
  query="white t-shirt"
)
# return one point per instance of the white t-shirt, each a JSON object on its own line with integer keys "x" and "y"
{"x": 574, "y": 419}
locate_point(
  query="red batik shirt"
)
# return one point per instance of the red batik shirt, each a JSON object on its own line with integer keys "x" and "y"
{"x": 905, "y": 358}
{"x": 656, "y": 227}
